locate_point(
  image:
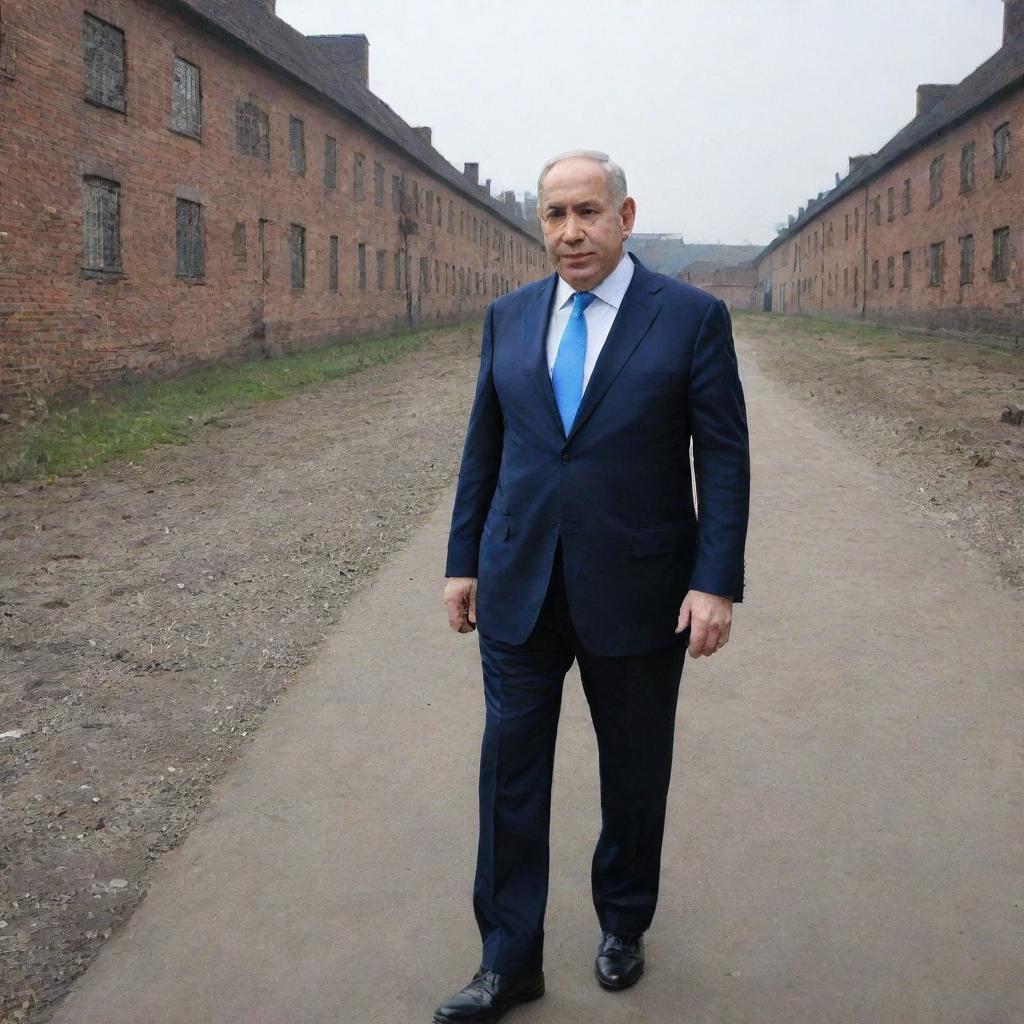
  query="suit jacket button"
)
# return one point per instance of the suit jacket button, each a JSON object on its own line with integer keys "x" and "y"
{"x": 553, "y": 520}
{"x": 567, "y": 457}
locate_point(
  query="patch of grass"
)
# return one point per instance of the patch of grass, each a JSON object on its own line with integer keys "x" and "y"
{"x": 121, "y": 421}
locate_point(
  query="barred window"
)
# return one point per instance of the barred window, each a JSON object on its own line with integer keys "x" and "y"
{"x": 878, "y": 210}
{"x": 874, "y": 274}
{"x": 936, "y": 263}
{"x": 238, "y": 244}
{"x": 891, "y": 210}
{"x": 378, "y": 184}
{"x": 252, "y": 130}
{"x": 906, "y": 196}
{"x": 382, "y": 263}
{"x": 362, "y": 265}
{"x": 332, "y": 264}
{"x": 298, "y": 245}
{"x": 1001, "y": 151}
{"x": 906, "y": 270}
{"x": 296, "y": 146}
{"x": 1000, "y": 254}
{"x": 104, "y": 63}
{"x": 847, "y": 236}
{"x": 890, "y": 270}
{"x": 967, "y": 259}
{"x": 101, "y": 225}
{"x": 967, "y": 167}
{"x": 189, "y": 240}
{"x": 330, "y": 162}
{"x": 438, "y": 211}
{"x": 186, "y": 99}
{"x": 358, "y": 174}
{"x": 935, "y": 170}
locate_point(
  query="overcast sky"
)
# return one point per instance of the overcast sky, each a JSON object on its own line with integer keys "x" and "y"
{"x": 725, "y": 114}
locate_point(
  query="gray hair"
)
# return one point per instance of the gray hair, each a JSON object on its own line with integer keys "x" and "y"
{"x": 613, "y": 172}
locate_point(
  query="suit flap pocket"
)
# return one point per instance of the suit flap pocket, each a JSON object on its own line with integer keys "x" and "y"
{"x": 498, "y": 525}
{"x": 658, "y": 540}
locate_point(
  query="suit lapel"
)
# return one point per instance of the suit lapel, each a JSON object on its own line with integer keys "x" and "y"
{"x": 535, "y": 332}
{"x": 636, "y": 314}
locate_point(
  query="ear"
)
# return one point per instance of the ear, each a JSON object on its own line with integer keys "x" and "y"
{"x": 627, "y": 215}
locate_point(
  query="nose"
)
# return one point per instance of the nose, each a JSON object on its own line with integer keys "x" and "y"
{"x": 573, "y": 231}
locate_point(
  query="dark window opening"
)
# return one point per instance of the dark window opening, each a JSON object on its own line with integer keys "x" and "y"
{"x": 238, "y": 244}
{"x": 252, "y": 130}
{"x": 906, "y": 196}
{"x": 382, "y": 263}
{"x": 891, "y": 211}
{"x": 378, "y": 184}
{"x": 967, "y": 259}
{"x": 935, "y": 170}
{"x": 361, "y": 251}
{"x": 358, "y": 174}
{"x": 967, "y": 167}
{"x": 890, "y": 270}
{"x": 1001, "y": 151}
{"x": 936, "y": 264}
{"x": 332, "y": 264}
{"x": 296, "y": 146}
{"x": 1000, "y": 254}
{"x": 189, "y": 240}
{"x": 298, "y": 242}
{"x": 906, "y": 270}
{"x": 330, "y": 162}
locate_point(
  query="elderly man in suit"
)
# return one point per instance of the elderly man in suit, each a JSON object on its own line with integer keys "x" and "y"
{"x": 574, "y": 538}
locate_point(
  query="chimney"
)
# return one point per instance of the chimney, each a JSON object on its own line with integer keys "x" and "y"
{"x": 799, "y": 212}
{"x": 929, "y": 96}
{"x": 508, "y": 198}
{"x": 856, "y": 162}
{"x": 487, "y": 186}
{"x": 350, "y": 55}
{"x": 1013, "y": 20}
{"x": 425, "y": 135}
{"x": 472, "y": 171}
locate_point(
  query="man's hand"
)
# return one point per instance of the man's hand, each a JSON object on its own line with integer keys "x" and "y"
{"x": 709, "y": 618}
{"x": 460, "y": 600}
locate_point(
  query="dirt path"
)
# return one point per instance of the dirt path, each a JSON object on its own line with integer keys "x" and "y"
{"x": 843, "y": 830}
{"x": 149, "y": 613}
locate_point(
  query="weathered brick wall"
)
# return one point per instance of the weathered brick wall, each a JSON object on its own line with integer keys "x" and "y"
{"x": 819, "y": 269}
{"x": 61, "y": 327}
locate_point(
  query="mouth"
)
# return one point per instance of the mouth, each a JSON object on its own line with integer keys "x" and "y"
{"x": 577, "y": 257}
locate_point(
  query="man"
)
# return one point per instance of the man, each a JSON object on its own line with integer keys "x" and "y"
{"x": 574, "y": 537}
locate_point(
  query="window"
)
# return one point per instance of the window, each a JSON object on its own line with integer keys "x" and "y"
{"x": 462, "y": 222}
{"x": 189, "y": 240}
{"x": 101, "y": 225}
{"x": 906, "y": 196}
{"x": 439, "y": 215}
{"x": 361, "y": 280}
{"x": 1001, "y": 151}
{"x": 330, "y": 162}
{"x": 847, "y": 227}
{"x": 856, "y": 282}
{"x": 430, "y": 205}
{"x": 396, "y": 193}
{"x": 332, "y": 264}
{"x": 296, "y": 146}
{"x": 252, "y": 130}
{"x": 906, "y": 270}
{"x": 967, "y": 167}
{"x": 890, "y": 270}
{"x": 378, "y": 184}
{"x": 831, "y": 242}
{"x": 186, "y": 99}
{"x": 416, "y": 198}
{"x": 238, "y": 244}
{"x": 298, "y": 256}
{"x": 935, "y": 170}
{"x": 424, "y": 274}
{"x": 382, "y": 263}
{"x": 104, "y": 63}
{"x": 874, "y": 274}
{"x": 358, "y": 173}
{"x": 398, "y": 271}
{"x": 437, "y": 276}
{"x": 451, "y": 218}
{"x": 967, "y": 259}
{"x": 846, "y": 280}
{"x": 856, "y": 221}
{"x": 1000, "y": 253}
{"x": 892, "y": 203}
{"x": 878, "y": 210}
{"x": 936, "y": 253}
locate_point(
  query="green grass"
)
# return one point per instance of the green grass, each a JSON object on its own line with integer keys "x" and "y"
{"x": 122, "y": 421}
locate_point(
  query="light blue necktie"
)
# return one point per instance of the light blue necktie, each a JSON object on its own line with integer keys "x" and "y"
{"x": 567, "y": 373}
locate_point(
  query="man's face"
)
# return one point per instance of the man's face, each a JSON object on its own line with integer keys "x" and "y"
{"x": 583, "y": 229}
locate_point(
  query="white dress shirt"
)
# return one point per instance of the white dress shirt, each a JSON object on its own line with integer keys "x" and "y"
{"x": 599, "y": 315}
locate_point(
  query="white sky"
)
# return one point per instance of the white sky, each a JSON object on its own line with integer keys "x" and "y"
{"x": 725, "y": 114}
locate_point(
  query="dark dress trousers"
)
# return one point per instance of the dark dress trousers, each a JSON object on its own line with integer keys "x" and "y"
{"x": 584, "y": 547}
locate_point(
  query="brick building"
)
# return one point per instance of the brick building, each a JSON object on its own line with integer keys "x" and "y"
{"x": 735, "y": 285}
{"x": 187, "y": 181}
{"x": 929, "y": 230}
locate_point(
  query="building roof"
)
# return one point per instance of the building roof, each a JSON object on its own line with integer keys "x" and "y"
{"x": 249, "y": 23}
{"x": 1003, "y": 71}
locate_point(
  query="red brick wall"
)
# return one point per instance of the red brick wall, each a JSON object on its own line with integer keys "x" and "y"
{"x": 809, "y": 275}
{"x": 59, "y": 327}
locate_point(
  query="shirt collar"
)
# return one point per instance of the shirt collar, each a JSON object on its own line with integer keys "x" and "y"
{"x": 611, "y": 290}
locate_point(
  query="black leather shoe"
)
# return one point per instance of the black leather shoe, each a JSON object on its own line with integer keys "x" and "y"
{"x": 489, "y": 995}
{"x": 620, "y": 962}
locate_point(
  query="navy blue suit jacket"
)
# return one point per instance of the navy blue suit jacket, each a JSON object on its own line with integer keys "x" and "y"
{"x": 617, "y": 490}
